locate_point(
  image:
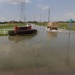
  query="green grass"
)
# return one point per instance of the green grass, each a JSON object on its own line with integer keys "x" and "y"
{"x": 3, "y": 34}
{"x": 60, "y": 25}
{"x": 9, "y": 26}
{"x": 65, "y": 26}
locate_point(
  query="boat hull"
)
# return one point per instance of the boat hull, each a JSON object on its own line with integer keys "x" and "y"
{"x": 26, "y": 32}
{"x": 22, "y": 32}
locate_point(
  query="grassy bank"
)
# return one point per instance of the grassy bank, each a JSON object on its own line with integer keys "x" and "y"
{"x": 8, "y": 26}
{"x": 60, "y": 25}
{"x": 11, "y": 25}
{"x": 66, "y": 26}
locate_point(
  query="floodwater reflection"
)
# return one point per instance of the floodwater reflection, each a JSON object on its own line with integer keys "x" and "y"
{"x": 38, "y": 52}
{"x": 17, "y": 39}
{"x": 52, "y": 34}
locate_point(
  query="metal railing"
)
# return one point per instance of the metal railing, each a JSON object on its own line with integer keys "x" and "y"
{"x": 4, "y": 31}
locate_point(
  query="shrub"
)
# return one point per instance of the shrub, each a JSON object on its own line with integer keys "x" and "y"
{"x": 11, "y": 32}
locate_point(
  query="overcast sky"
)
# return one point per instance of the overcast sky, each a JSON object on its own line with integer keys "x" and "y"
{"x": 60, "y": 10}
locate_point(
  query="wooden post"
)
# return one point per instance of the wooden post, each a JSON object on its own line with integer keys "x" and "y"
{"x": 4, "y": 31}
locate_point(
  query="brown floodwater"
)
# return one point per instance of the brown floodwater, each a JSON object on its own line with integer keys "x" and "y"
{"x": 40, "y": 54}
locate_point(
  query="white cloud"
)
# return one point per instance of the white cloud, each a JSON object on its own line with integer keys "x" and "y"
{"x": 68, "y": 16}
{"x": 15, "y": 1}
{"x": 20, "y": 1}
{"x": 27, "y": 1}
{"x": 3, "y": 18}
{"x": 1, "y": 1}
{"x": 43, "y": 7}
{"x": 64, "y": 17}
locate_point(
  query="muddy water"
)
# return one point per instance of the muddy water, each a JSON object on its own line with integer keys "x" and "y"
{"x": 46, "y": 51}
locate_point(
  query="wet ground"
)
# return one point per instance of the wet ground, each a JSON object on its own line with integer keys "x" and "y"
{"x": 46, "y": 53}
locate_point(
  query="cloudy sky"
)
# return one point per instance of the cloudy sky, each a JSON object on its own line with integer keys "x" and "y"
{"x": 60, "y": 10}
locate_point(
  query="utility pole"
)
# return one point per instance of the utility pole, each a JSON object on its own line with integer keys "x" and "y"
{"x": 40, "y": 17}
{"x": 23, "y": 13}
{"x": 49, "y": 15}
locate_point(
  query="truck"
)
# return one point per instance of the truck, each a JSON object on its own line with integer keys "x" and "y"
{"x": 52, "y": 25}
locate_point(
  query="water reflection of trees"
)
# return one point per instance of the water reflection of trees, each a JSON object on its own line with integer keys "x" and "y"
{"x": 52, "y": 34}
{"x": 20, "y": 38}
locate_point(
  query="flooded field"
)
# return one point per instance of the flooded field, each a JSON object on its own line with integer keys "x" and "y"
{"x": 41, "y": 54}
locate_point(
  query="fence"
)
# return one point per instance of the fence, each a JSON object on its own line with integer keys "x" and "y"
{"x": 4, "y": 31}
